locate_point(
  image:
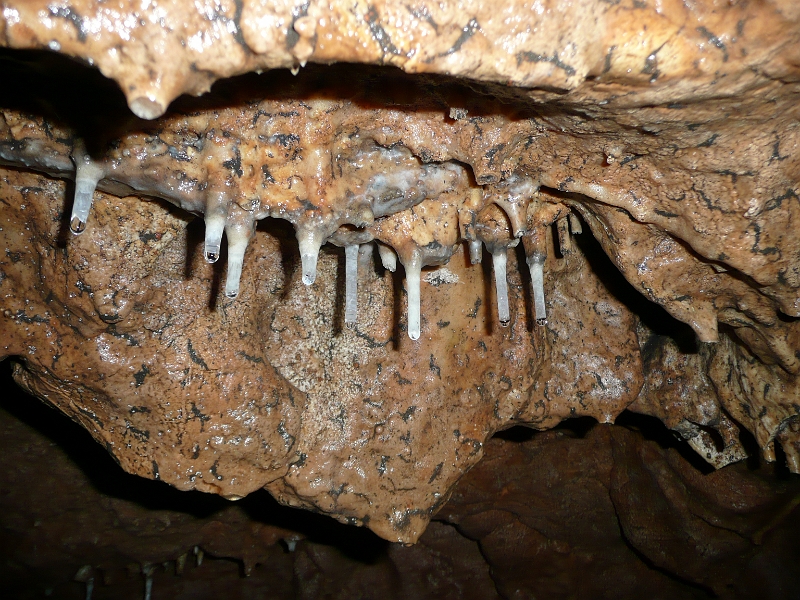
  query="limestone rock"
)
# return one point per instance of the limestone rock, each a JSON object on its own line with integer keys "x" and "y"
{"x": 667, "y": 133}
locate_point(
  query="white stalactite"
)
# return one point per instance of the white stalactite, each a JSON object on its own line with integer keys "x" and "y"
{"x": 475, "y": 252}
{"x": 413, "y": 277}
{"x": 499, "y": 261}
{"x": 388, "y": 257}
{"x": 309, "y": 241}
{"x": 238, "y": 234}
{"x": 351, "y": 284}
{"x": 536, "y": 266}
{"x": 215, "y": 217}
{"x": 87, "y": 174}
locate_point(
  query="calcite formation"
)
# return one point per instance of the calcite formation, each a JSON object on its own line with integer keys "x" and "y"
{"x": 553, "y": 136}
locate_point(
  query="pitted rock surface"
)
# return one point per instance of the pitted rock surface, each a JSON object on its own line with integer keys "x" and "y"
{"x": 668, "y": 133}
{"x": 298, "y": 391}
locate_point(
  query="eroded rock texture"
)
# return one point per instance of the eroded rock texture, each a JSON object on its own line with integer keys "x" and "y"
{"x": 665, "y": 132}
{"x": 580, "y": 511}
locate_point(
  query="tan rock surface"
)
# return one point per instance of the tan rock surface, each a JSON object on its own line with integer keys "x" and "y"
{"x": 226, "y": 399}
{"x": 158, "y": 49}
{"x": 670, "y": 129}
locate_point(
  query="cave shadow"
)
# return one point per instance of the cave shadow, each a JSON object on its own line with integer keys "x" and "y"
{"x": 652, "y": 315}
{"x": 283, "y": 233}
{"x": 64, "y": 233}
{"x": 107, "y": 478}
{"x": 95, "y": 105}
{"x": 339, "y": 289}
{"x": 399, "y": 326}
{"x": 489, "y": 292}
{"x": 527, "y": 287}
{"x": 650, "y": 428}
{"x": 97, "y": 109}
{"x": 195, "y": 238}
{"x": 654, "y": 430}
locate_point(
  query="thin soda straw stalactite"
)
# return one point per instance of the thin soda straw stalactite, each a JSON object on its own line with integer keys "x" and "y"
{"x": 309, "y": 241}
{"x": 535, "y": 244}
{"x": 536, "y": 266}
{"x": 413, "y": 276}
{"x": 351, "y": 285}
{"x": 475, "y": 252}
{"x": 238, "y": 230}
{"x": 575, "y": 224}
{"x": 216, "y": 215}
{"x": 87, "y": 174}
{"x": 499, "y": 260}
{"x": 331, "y": 209}
{"x": 388, "y": 257}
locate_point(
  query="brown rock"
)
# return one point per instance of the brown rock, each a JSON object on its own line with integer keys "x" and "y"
{"x": 587, "y": 511}
{"x": 631, "y": 116}
{"x": 665, "y": 529}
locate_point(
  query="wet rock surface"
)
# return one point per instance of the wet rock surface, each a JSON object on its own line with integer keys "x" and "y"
{"x": 159, "y": 50}
{"x": 417, "y": 410}
{"x": 587, "y": 511}
{"x": 300, "y": 364}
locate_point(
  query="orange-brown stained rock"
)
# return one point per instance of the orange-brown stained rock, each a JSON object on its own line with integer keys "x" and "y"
{"x": 158, "y": 50}
{"x": 142, "y": 379}
{"x": 271, "y": 389}
{"x": 677, "y": 149}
